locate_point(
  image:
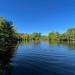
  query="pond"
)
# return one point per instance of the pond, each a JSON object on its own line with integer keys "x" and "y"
{"x": 38, "y": 58}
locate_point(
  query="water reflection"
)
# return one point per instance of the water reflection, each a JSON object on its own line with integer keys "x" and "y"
{"x": 53, "y": 42}
{"x": 26, "y": 42}
{"x": 36, "y": 42}
{"x": 70, "y": 44}
{"x": 7, "y": 51}
{"x": 44, "y": 58}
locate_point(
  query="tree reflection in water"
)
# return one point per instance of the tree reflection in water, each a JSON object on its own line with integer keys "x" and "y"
{"x": 7, "y": 51}
{"x": 70, "y": 44}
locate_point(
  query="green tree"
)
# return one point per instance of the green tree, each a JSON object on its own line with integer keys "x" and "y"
{"x": 53, "y": 36}
{"x": 36, "y": 36}
{"x": 26, "y": 37}
{"x": 7, "y": 31}
{"x": 71, "y": 34}
{"x": 63, "y": 37}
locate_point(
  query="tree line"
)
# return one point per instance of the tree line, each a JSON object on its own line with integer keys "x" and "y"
{"x": 69, "y": 35}
{"x": 8, "y": 34}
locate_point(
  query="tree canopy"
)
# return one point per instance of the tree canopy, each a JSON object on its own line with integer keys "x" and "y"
{"x": 7, "y": 31}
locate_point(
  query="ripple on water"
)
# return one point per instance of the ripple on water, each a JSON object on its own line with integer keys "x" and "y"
{"x": 43, "y": 59}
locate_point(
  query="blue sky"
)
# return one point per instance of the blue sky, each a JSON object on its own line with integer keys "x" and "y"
{"x": 39, "y": 15}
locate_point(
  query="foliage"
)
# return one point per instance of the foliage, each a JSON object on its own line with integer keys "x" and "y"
{"x": 69, "y": 35}
{"x": 7, "y": 31}
{"x": 36, "y": 36}
{"x": 53, "y": 36}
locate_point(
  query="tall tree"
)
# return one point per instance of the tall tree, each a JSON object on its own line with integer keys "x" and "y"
{"x": 71, "y": 34}
{"x": 7, "y": 31}
{"x": 53, "y": 36}
{"x": 36, "y": 36}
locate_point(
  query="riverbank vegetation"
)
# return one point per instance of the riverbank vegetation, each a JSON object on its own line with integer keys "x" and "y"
{"x": 8, "y": 34}
{"x": 69, "y": 35}
{"x": 7, "y": 31}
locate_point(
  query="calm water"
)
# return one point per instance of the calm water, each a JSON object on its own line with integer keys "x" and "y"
{"x": 39, "y": 58}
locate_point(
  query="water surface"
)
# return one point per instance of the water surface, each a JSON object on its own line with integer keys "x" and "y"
{"x": 42, "y": 58}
